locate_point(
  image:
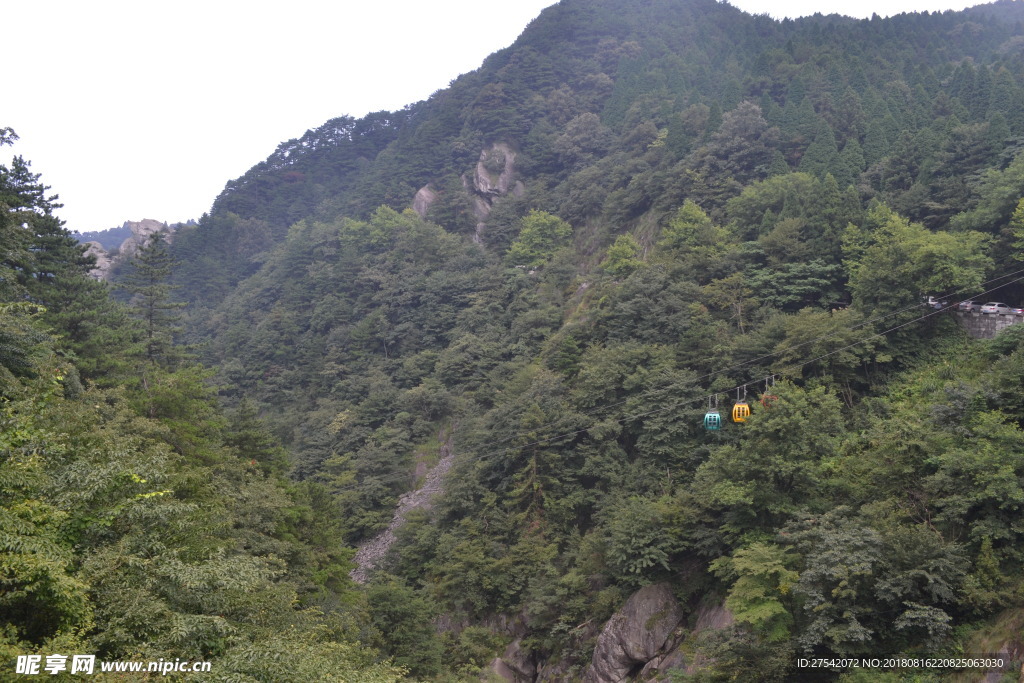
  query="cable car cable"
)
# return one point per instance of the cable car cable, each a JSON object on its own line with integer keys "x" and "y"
{"x": 738, "y": 387}
{"x": 743, "y": 364}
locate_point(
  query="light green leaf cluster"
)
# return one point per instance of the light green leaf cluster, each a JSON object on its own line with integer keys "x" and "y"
{"x": 540, "y": 236}
{"x": 893, "y": 261}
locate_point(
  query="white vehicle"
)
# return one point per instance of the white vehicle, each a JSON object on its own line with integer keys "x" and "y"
{"x": 998, "y": 308}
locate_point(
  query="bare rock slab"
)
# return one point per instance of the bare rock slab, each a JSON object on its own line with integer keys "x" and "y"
{"x": 635, "y": 635}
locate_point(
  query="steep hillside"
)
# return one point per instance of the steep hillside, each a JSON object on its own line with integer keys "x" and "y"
{"x": 637, "y": 213}
{"x": 128, "y": 528}
{"x": 590, "y": 87}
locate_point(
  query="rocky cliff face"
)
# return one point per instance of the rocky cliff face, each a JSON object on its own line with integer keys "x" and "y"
{"x": 103, "y": 260}
{"x": 493, "y": 176}
{"x": 425, "y": 196}
{"x": 640, "y": 631}
{"x": 141, "y": 233}
{"x": 495, "y": 171}
{"x": 643, "y": 641}
{"x": 373, "y": 551}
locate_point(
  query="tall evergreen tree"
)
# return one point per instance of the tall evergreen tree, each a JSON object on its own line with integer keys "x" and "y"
{"x": 850, "y": 163}
{"x": 822, "y": 155}
{"x": 875, "y": 143}
{"x": 147, "y": 282}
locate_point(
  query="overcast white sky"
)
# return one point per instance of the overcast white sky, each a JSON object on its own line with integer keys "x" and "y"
{"x": 136, "y": 110}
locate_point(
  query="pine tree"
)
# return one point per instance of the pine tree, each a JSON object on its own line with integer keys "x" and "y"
{"x": 822, "y": 155}
{"x": 849, "y": 118}
{"x": 147, "y": 282}
{"x": 850, "y": 164}
{"x": 778, "y": 166}
{"x": 875, "y": 143}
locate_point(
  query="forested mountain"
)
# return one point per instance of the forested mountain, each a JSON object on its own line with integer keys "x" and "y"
{"x": 641, "y": 212}
{"x": 138, "y": 521}
{"x": 110, "y": 238}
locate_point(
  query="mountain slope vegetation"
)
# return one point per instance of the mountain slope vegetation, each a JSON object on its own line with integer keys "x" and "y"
{"x": 633, "y": 207}
{"x": 638, "y": 213}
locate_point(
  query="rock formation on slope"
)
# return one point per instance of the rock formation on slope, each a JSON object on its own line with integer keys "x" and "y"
{"x": 636, "y": 634}
{"x": 103, "y": 261}
{"x": 141, "y": 232}
{"x": 493, "y": 176}
{"x": 373, "y": 551}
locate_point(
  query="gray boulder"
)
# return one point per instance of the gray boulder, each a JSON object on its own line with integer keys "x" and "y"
{"x": 638, "y": 633}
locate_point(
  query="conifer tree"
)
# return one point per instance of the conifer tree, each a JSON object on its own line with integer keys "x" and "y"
{"x": 875, "y": 143}
{"x": 822, "y": 155}
{"x": 850, "y": 163}
{"x": 47, "y": 266}
{"x": 147, "y": 282}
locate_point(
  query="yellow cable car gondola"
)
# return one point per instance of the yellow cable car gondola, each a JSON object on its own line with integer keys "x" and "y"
{"x": 741, "y": 411}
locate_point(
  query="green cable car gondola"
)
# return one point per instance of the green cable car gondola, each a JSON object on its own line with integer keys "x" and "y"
{"x": 712, "y": 418}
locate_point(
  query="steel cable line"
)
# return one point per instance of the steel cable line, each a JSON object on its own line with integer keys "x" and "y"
{"x": 695, "y": 381}
{"x": 737, "y": 366}
{"x": 704, "y": 397}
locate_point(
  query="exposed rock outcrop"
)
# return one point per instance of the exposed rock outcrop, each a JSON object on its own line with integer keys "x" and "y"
{"x": 495, "y": 171}
{"x": 481, "y": 208}
{"x": 373, "y": 551}
{"x": 493, "y": 176}
{"x": 103, "y": 261}
{"x": 425, "y": 196}
{"x": 515, "y": 665}
{"x": 714, "y": 617}
{"x": 639, "y": 632}
{"x": 141, "y": 232}
{"x": 667, "y": 662}
{"x": 711, "y": 617}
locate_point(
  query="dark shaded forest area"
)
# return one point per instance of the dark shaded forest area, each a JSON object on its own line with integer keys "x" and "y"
{"x": 639, "y": 213}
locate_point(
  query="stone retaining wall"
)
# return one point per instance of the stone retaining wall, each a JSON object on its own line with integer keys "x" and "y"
{"x": 986, "y": 325}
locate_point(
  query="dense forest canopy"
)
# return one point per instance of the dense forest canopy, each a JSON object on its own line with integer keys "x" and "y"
{"x": 549, "y": 273}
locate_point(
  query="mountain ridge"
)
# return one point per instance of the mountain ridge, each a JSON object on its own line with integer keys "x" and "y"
{"x": 695, "y": 202}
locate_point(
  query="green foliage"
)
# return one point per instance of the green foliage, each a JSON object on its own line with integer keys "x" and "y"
{"x": 739, "y": 152}
{"x": 621, "y": 259}
{"x": 793, "y": 286}
{"x": 836, "y": 344}
{"x": 151, "y": 302}
{"x": 780, "y": 468}
{"x": 763, "y": 588}
{"x": 869, "y": 506}
{"x": 475, "y": 648}
{"x": 540, "y": 235}
{"x": 639, "y": 546}
{"x": 402, "y": 620}
{"x": 999, "y": 190}
{"x": 1017, "y": 230}
{"x": 690, "y": 227}
{"x": 19, "y": 344}
{"x": 891, "y": 261}
{"x": 131, "y": 524}
{"x": 822, "y": 155}
{"x": 41, "y": 596}
{"x": 854, "y": 575}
